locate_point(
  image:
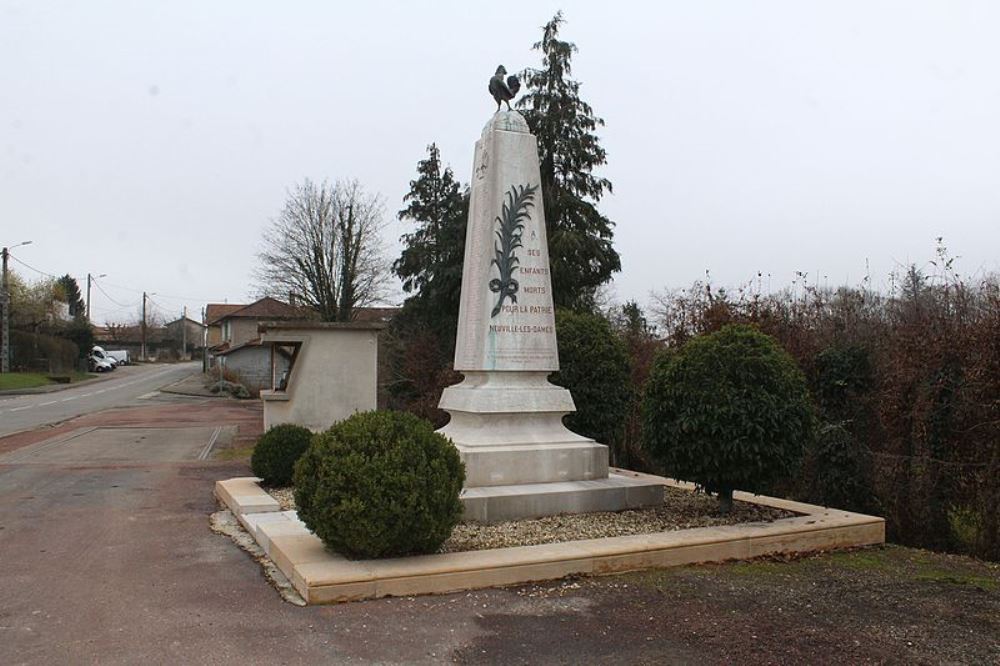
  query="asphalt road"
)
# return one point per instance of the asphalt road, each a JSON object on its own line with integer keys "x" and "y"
{"x": 125, "y": 386}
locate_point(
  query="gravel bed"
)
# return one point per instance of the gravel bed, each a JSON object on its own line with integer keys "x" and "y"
{"x": 681, "y": 510}
{"x": 285, "y": 497}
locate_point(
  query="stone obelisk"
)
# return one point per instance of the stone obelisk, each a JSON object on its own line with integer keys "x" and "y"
{"x": 506, "y": 418}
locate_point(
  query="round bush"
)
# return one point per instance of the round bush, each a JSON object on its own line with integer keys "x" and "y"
{"x": 380, "y": 484}
{"x": 728, "y": 411}
{"x": 594, "y": 366}
{"x": 277, "y": 451}
{"x": 842, "y": 372}
{"x": 839, "y": 470}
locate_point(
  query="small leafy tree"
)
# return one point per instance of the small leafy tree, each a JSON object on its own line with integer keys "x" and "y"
{"x": 837, "y": 469}
{"x": 32, "y": 305}
{"x": 594, "y": 366}
{"x": 642, "y": 344}
{"x": 80, "y": 333}
{"x": 580, "y": 237}
{"x": 729, "y": 410}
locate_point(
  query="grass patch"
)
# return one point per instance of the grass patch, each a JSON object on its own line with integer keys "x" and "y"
{"x": 15, "y": 381}
{"x": 80, "y": 376}
{"x": 234, "y": 453}
{"x": 22, "y": 380}
{"x": 957, "y": 578}
{"x": 874, "y": 559}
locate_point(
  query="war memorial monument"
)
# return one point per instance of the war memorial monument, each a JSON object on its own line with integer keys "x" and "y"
{"x": 506, "y": 418}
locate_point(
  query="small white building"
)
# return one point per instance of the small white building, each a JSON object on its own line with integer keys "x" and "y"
{"x": 331, "y": 371}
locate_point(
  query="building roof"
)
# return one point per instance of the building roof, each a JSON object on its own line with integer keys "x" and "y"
{"x": 180, "y": 319}
{"x": 270, "y": 309}
{"x": 374, "y": 314}
{"x": 216, "y": 311}
{"x": 265, "y": 308}
{"x": 225, "y": 348}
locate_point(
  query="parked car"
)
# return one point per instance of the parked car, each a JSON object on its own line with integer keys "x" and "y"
{"x": 97, "y": 364}
{"x": 120, "y": 355}
{"x": 99, "y": 353}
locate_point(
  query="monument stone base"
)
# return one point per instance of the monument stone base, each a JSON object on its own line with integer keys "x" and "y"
{"x": 522, "y": 462}
{"x": 616, "y": 492}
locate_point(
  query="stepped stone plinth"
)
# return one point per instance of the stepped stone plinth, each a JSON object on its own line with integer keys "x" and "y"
{"x": 506, "y": 418}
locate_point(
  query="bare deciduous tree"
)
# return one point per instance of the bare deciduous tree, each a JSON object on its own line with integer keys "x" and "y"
{"x": 326, "y": 249}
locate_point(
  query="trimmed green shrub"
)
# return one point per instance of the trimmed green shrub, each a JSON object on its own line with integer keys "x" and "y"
{"x": 380, "y": 484}
{"x": 594, "y": 366}
{"x": 277, "y": 451}
{"x": 728, "y": 411}
{"x": 842, "y": 372}
{"x": 840, "y": 470}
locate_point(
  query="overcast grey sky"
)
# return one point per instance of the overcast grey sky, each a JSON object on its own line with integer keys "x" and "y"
{"x": 154, "y": 141}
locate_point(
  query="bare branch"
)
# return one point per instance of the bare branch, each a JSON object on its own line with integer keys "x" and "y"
{"x": 325, "y": 249}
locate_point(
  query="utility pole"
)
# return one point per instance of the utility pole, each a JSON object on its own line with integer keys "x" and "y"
{"x": 5, "y": 333}
{"x": 142, "y": 328}
{"x": 204, "y": 341}
{"x": 91, "y": 278}
{"x": 5, "y": 302}
{"x": 184, "y": 333}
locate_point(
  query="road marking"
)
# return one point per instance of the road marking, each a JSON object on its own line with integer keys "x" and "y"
{"x": 23, "y": 454}
{"x": 147, "y": 396}
{"x": 17, "y": 409}
{"x": 211, "y": 442}
{"x": 70, "y": 398}
{"x": 50, "y": 402}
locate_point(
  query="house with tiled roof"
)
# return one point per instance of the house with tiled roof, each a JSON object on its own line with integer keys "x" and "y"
{"x": 238, "y": 349}
{"x": 232, "y": 324}
{"x": 214, "y": 312}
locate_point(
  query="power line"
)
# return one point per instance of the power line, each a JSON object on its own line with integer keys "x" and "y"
{"x": 111, "y": 311}
{"x": 118, "y": 286}
{"x": 31, "y": 267}
{"x": 160, "y": 294}
{"x": 101, "y": 289}
{"x": 188, "y": 299}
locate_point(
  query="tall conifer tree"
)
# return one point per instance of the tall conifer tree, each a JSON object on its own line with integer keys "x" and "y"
{"x": 580, "y": 237}
{"x": 71, "y": 290}
{"x": 430, "y": 265}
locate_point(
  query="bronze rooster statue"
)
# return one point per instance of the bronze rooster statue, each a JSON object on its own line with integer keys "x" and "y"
{"x": 503, "y": 91}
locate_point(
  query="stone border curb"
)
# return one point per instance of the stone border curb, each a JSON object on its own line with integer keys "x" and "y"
{"x": 243, "y": 495}
{"x": 324, "y": 577}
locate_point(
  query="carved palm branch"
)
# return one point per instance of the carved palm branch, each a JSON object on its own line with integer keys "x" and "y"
{"x": 515, "y": 213}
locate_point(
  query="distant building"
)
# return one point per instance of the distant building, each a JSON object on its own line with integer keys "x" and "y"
{"x": 234, "y": 341}
{"x": 238, "y": 349}
{"x": 184, "y": 334}
{"x": 214, "y": 312}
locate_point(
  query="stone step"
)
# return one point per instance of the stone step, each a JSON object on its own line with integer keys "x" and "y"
{"x": 617, "y": 492}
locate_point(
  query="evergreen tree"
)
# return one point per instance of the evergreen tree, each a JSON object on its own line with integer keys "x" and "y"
{"x": 430, "y": 265}
{"x": 580, "y": 237}
{"x": 70, "y": 290}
